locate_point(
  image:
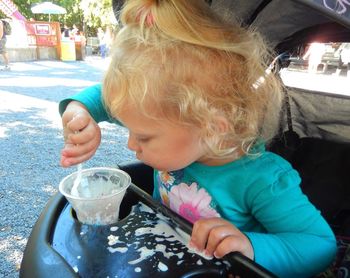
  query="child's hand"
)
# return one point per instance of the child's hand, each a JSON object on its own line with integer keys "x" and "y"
{"x": 218, "y": 237}
{"x": 82, "y": 135}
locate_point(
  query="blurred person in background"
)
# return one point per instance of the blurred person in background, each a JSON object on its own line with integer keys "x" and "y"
{"x": 102, "y": 42}
{"x": 3, "y": 40}
{"x": 314, "y": 55}
{"x": 105, "y": 39}
{"x": 66, "y": 32}
{"x": 74, "y": 30}
{"x": 344, "y": 58}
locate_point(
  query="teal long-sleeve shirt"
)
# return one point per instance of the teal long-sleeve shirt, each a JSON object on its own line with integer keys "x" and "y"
{"x": 259, "y": 194}
{"x": 91, "y": 98}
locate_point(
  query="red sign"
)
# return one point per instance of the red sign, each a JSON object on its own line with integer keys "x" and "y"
{"x": 42, "y": 29}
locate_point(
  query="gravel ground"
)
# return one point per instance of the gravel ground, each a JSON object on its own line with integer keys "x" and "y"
{"x": 30, "y": 143}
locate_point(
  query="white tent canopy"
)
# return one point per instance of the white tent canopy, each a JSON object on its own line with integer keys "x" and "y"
{"x": 48, "y": 8}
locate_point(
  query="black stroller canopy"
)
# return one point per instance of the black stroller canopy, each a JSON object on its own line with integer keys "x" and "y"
{"x": 279, "y": 19}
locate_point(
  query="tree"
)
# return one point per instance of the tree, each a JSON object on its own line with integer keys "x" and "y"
{"x": 88, "y": 15}
{"x": 98, "y": 14}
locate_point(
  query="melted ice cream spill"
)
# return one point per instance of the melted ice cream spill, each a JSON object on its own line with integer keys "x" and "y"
{"x": 149, "y": 242}
{"x": 118, "y": 249}
{"x": 202, "y": 254}
{"x": 112, "y": 239}
{"x": 113, "y": 229}
{"x": 162, "y": 267}
{"x": 169, "y": 241}
{"x": 145, "y": 253}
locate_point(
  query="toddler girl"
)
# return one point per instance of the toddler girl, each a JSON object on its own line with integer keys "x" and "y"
{"x": 194, "y": 94}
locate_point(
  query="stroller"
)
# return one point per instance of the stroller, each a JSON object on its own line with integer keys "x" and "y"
{"x": 314, "y": 137}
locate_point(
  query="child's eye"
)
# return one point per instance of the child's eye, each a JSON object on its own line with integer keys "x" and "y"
{"x": 143, "y": 139}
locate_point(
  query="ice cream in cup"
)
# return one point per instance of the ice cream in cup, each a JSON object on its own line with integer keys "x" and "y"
{"x": 97, "y": 198}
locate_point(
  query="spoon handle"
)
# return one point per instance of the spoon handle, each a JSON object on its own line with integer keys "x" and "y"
{"x": 77, "y": 181}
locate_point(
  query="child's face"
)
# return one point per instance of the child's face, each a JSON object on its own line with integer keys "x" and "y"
{"x": 161, "y": 144}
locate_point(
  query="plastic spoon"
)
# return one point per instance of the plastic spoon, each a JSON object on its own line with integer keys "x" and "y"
{"x": 77, "y": 181}
{"x": 82, "y": 183}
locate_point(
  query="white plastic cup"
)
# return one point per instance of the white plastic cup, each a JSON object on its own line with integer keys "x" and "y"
{"x": 99, "y": 195}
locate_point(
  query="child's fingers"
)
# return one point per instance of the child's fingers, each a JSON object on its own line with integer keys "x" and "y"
{"x": 67, "y": 161}
{"x": 79, "y": 121}
{"x": 201, "y": 230}
{"x": 219, "y": 237}
{"x": 216, "y": 236}
{"x": 237, "y": 242}
{"x": 73, "y": 150}
{"x": 75, "y": 113}
{"x": 67, "y": 116}
{"x": 91, "y": 132}
{"x": 64, "y": 162}
{"x": 229, "y": 244}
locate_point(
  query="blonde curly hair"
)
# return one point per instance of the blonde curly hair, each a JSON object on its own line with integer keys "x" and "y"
{"x": 178, "y": 60}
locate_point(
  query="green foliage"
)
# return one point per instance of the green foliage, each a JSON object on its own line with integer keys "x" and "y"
{"x": 97, "y": 14}
{"x": 88, "y": 15}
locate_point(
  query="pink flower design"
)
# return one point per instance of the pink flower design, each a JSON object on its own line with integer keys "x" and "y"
{"x": 191, "y": 203}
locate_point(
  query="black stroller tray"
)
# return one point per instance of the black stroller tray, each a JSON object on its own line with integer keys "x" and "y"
{"x": 149, "y": 240}
{"x": 143, "y": 243}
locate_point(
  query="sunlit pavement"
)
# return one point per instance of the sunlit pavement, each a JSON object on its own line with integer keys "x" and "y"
{"x": 328, "y": 83}
{"x": 89, "y": 70}
{"x": 44, "y": 83}
{"x": 55, "y": 73}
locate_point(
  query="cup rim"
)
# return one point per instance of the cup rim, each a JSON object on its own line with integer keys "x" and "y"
{"x": 68, "y": 195}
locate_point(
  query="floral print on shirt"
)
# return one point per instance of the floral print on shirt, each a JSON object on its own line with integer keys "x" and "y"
{"x": 188, "y": 200}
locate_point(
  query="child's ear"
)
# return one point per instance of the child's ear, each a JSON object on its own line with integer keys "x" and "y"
{"x": 222, "y": 124}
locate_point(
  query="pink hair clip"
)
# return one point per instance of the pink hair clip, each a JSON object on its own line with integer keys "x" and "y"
{"x": 149, "y": 17}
